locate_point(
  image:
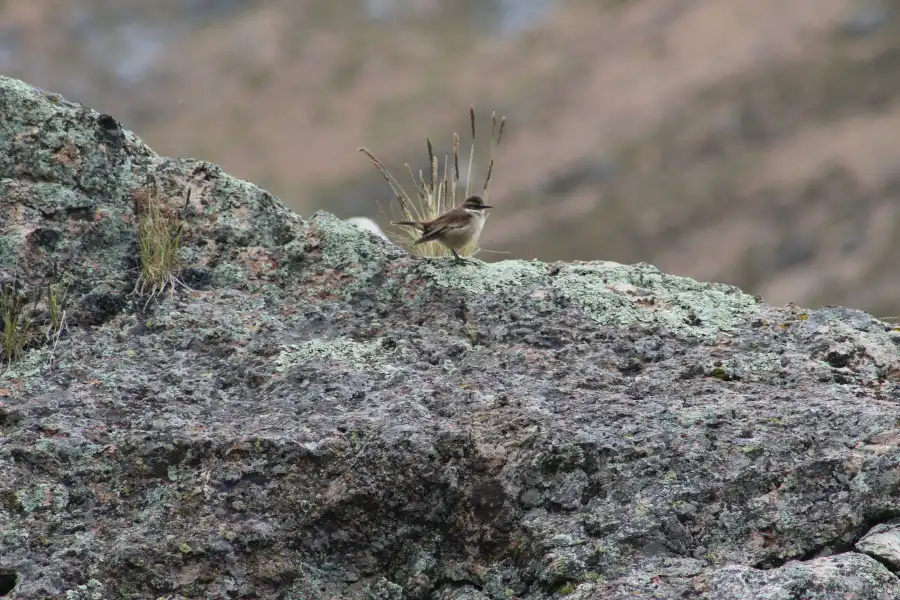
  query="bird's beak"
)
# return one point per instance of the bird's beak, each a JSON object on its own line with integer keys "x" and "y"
{"x": 486, "y": 206}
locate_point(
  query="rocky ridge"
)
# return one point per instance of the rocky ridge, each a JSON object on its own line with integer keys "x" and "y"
{"x": 317, "y": 414}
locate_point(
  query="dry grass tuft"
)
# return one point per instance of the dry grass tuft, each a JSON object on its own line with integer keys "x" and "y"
{"x": 438, "y": 193}
{"x": 57, "y": 297}
{"x": 159, "y": 238}
{"x": 25, "y": 310}
{"x": 16, "y": 322}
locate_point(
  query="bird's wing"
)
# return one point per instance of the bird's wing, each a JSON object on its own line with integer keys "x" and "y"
{"x": 454, "y": 219}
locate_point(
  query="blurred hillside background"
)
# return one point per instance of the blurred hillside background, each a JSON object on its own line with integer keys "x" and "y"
{"x": 753, "y": 142}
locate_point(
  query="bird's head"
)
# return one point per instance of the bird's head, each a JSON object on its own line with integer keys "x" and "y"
{"x": 475, "y": 203}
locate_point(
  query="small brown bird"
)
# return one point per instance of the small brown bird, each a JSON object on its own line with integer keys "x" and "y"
{"x": 454, "y": 229}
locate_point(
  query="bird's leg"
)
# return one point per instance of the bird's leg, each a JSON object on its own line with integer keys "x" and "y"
{"x": 459, "y": 259}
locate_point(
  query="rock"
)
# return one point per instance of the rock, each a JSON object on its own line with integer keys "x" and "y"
{"x": 465, "y": 592}
{"x": 88, "y": 591}
{"x": 830, "y": 578}
{"x": 314, "y": 413}
{"x": 9, "y": 581}
{"x": 385, "y": 590}
{"x": 883, "y": 544}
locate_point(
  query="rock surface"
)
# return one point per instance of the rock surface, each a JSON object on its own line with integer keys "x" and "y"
{"x": 321, "y": 416}
{"x": 883, "y": 544}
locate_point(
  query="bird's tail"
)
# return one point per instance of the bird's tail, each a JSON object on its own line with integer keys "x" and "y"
{"x": 415, "y": 224}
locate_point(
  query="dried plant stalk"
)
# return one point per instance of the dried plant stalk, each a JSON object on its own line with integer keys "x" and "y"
{"x": 437, "y": 193}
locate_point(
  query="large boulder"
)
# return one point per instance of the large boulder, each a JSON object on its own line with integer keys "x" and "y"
{"x": 314, "y": 414}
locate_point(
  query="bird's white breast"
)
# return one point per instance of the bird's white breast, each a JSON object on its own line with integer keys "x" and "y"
{"x": 478, "y": 218}
{"x": 457, "y": 238}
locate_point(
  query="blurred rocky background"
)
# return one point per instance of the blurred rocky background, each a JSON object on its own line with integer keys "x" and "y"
{"x": 753, "y": 142}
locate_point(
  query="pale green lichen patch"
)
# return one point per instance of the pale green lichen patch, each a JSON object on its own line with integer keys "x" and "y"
{"x": 49, "y": 146}
{"x": 54, "y": 448}
{"x": 246, "y": 206}
{"x": 92, "y": 590}
{"x": 343, "y": 245}
{"x": 343, "y": 261}
{"x": 560, "y": 567}
{"x": 28, "y": 365}
{"x": 233, "y": 219}
{"x": 878, "y": 344}
{"x": 27, "y": 202}
{"x": 483, "y": 278}
{"x": 366, "y": 355}
{"x": 383, "y": 589}
{"x": 226, "y": 274}
{"x": 43, "y": 496}
{"x": 752, "y": 366}
{"x": 610, "y": 293}
{"x": 616, "y": 294}
{"x": 8, "y": 249}
{"x": 49, "y": 197}
{"x": 21, "y": 98}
